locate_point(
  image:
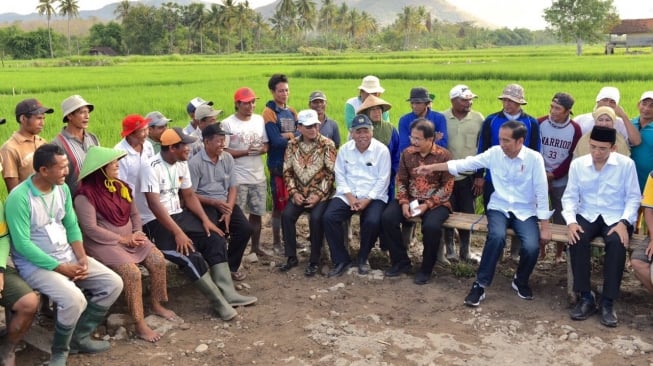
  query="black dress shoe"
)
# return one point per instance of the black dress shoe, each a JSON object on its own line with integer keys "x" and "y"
{"x": 363, "y": 269}
{"x": 583, "y": 309}
{"x": 339, "y": 269}
{"x": 422, "y": 278}
{"x": 292, "y": 262}
{"x": 608, "y": 316}
{"x": 397, "y": 269}
{"x": 311, "y": 270}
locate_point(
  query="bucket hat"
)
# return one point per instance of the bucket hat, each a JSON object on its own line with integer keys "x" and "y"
{"x": 73, "y": 103}
{"x": 514, "y": 92}
{"x": 371, "y": 84}
{"x": 419, "y": 95}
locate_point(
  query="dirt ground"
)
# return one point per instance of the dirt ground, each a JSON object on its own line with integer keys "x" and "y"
{"x": 371, "y": 320}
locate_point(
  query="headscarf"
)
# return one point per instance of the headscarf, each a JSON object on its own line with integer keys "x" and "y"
{"x": 102, "y": 193}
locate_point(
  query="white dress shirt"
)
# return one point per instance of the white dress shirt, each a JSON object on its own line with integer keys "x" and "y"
{"x": 366, "y": 174}
{"x": 612, "y": 192}
{"x": 520, "y": 184}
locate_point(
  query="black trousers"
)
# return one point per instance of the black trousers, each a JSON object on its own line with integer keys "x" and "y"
{"x": 615, "y": 257}
{"x": 239, "y": 232}
{"x": 209, "y": 250}
{"x": 315, "y": 225}
{"x": 431, "y": 234}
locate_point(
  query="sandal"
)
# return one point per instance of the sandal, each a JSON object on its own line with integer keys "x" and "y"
{"x": 238, "y": 276}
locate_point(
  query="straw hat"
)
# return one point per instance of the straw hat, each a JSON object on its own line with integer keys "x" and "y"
{"x": 96, "y": 158}
{"x": 373, "y": 101}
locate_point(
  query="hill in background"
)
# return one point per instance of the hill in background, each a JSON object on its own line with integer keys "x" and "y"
{"x": 384, "y": 11}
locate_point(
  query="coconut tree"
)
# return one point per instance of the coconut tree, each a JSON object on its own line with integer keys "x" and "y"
{"x": 69, "y": 9}
{"x": 305, "y": 15}
{"x": 46, "y": 7}
{"x": 122, "y": 9}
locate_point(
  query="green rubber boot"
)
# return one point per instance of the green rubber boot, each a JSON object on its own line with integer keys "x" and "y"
{"x": 60, "y": 344}
{"x": 220, "y": 305}
{"x": 221, "y": 275}
{"x": 82, "y": 342}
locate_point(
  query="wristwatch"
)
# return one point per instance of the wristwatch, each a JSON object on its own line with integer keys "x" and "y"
{"x": 625, "y": 222}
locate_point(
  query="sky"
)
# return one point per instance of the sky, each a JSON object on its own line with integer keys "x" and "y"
{"x": 509, "y": 13}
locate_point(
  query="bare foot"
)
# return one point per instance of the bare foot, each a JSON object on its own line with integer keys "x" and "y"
{"x": 163, "y": 312}
{"x": 146, "y": 333}
{"x": 8, "y": 358}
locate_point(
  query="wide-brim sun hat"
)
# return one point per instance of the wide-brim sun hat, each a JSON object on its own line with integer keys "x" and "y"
{"x": 96, "y": 158}
{"x": 371, "y": 85}
{"x": 373, "y": 101}
{"x": 73, "y": 103}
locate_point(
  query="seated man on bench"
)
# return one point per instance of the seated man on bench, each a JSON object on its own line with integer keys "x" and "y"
{"x": 519, "y": 200}
{"x": 601, "y": 199}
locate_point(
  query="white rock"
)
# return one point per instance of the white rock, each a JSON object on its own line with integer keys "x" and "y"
{"x": 642, "y": 346}
{"x": 115, "y": 321}
{"x": 573, "y": 336}
{"x": 246, "y": 285}
{"x": 312, "y": 297}
{"x": 251, "y": 258}
{"x": 121, "y": 333}
{"x": 337, "y": 286}
{"x": 201, "y": 348}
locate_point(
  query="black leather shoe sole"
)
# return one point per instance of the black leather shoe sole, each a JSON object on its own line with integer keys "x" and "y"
{"x": 396, "y": 271}
{"x": 292, "y": 262}
{"x": 311, "y": 270}
{"x": 339, "y": 269}
{"x": 583, "y": 311}
{"x": 608, "y": 318}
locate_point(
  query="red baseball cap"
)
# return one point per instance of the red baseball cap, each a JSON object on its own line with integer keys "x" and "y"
{"x": 132, "y": 123}
{"x": 244, "y": 94}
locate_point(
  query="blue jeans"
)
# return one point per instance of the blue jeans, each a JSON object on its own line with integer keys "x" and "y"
{"x": 370, "y": 225}
{"x": 529, "y": 233}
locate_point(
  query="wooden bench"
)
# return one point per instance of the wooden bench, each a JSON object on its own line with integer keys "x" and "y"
{"x": 478, "y": 224}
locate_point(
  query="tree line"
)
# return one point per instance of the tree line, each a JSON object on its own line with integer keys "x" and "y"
{"x": 230, "y": 27}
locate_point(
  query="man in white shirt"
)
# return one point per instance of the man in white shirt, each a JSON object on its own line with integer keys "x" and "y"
{"x": 362, "y": 178}
{"x": 601, "y": 199}
{"x": 519, "y": 200}
{"x": 247, "y": 143}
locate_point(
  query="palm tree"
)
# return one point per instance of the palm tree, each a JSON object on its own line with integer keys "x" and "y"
{"x": 243, "y": 18}
{"x": 197, "y": 21}
{"x": 259, "y": 25}
{"x": 70, "y": 9}
{"x": 122, "y": 9}
{"x": 326, "y": 19}
{"x": 170, "y": 14}
{"x": 306, "y": 15}
{"x": 46, "y": 7}
{"x": 214, "y": 20}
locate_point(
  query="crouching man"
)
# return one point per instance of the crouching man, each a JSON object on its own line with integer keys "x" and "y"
{"x": 48, "y": 253}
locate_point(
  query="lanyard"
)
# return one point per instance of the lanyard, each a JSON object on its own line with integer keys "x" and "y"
{"x": 172, "y": 181}
{"x": 49, "y": 209}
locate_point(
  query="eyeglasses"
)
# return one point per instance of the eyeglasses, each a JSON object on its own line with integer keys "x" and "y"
{"x": 416, "y": 139}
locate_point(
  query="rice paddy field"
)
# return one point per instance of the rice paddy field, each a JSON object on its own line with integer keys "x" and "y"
{"x": 122, "y": 85}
